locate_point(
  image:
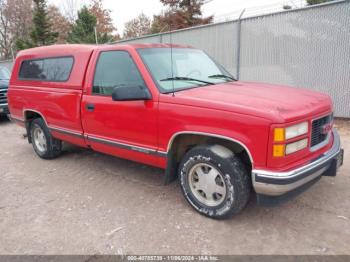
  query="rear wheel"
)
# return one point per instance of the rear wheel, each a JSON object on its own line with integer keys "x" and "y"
{"x": 214, "y": 181}
{"x": 44, "y": 144}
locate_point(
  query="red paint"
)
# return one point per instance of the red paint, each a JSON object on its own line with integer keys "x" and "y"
{"x": 244, "y": 112}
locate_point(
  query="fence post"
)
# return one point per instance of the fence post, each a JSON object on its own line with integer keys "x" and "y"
{"x": 238, "y": 62}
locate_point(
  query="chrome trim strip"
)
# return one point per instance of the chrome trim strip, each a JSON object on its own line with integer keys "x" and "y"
{"x": 5, "y": 104}
{"x": 277, "y": 190}
{"x": 287, "y": 181}
{"x": 211, "y": 135}
{"x": 162, "y": 154}
{"x": 127, "y": 146}
{"x": 66, "y": 131}
{"x": 326, "y": 141}
{"x": 24, "y": 114}
{"x": 96, "y": 139}
{"x": 296, "y": 172}
{"x": 54, "y": 128}
{"x": 57, "y": 129}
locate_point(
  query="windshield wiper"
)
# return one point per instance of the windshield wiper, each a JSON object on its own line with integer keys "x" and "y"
{"x": 223, "y": 76}
{"x": 183, "y": 78}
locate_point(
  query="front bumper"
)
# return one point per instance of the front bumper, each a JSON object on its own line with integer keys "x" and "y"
{"x": 4, "y": 110}
{"x": 270, "y": 185}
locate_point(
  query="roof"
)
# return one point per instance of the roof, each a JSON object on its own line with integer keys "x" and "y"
{"x": 56, "y": 49}
{"x": 82, "y": 48}
{"x": 155, "y": 45}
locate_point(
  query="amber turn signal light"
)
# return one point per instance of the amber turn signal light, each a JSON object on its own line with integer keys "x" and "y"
{"x": 279, "y": 135}
{"x": 278, "y": 150}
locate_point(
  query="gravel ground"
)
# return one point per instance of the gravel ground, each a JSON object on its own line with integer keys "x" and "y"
{"x": 89, "y": 203}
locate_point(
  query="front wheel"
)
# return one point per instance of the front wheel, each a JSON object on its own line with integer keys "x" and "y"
{"x": 214, "y": 181}
{"x": 44, "y": 144}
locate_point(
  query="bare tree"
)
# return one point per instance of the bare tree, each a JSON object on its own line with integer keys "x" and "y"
{"x": 59, "y": 23}
{"x": 15, "y": 22}
{"x": 103, "y": 17}
{"x": 5, "y": 37}
{"x": 139, "y": 26}
{"x": 70, "y": 9}
{"x": 21, "y": 19}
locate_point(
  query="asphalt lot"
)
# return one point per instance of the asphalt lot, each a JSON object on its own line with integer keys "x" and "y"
{"x": 89, "y": 203}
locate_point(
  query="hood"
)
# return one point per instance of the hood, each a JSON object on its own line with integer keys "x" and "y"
{"x": 4, "y": 83}
{"x": 274, "y": 102}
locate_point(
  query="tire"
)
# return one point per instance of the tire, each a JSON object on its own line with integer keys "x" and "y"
{"x": 44, "y": 144}
{"x": 231, "y": 185}
{"x": 3, "y": 117}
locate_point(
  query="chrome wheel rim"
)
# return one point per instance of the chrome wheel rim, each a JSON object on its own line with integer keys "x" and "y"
{"x": 40, "y": 139}
{"x": 207, "y": 184}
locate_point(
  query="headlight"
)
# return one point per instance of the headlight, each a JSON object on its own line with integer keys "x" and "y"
{"x": 297, "y": 130}
{"x": 296, "y": 146}
{"x": 283, "y": 134}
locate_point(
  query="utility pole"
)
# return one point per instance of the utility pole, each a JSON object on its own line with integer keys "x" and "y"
{"x": 95, "y": 29}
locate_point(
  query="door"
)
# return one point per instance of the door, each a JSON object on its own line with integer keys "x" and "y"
{"x": 123, "y": 128}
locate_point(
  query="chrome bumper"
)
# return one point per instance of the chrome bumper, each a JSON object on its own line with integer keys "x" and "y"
{"x": 280, "y": 183}
{"x": 4, "y": 108}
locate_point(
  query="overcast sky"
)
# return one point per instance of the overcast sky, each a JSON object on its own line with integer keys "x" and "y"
{"x": 123, "y": 11}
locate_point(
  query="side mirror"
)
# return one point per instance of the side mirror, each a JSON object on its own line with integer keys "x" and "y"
{"x": 131, "y": 93}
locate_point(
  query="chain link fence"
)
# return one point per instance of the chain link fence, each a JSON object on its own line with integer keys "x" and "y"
{"x": 307, "y": 47}
{"x": 7, "y": 63}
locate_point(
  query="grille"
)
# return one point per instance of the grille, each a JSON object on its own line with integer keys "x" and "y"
{"x": 317, "y": 136}
{"x": 3, "y": 96}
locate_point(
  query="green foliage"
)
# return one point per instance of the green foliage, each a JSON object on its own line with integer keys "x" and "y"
{"x": 23, "y": 44}
{"x": 83, "y": 30}
{"x": 316, "y": 2}
{"x": 41, "y": 33}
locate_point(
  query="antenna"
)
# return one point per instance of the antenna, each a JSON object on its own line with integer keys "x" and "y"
{"x": 172, "y": 65}
{"x": 171, "y": 56}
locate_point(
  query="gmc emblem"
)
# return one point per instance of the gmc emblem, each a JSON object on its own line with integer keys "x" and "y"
{"x": 325, "y": 129}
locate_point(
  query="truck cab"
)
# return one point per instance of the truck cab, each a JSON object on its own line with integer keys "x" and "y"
{"x": 174, "y": 107}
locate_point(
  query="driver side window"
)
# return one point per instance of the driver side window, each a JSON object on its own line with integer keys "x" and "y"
{"x": 115, "y": 69}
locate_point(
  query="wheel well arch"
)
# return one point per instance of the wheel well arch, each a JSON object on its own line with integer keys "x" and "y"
{"x": 182, "y": 142}
{"x": 29, "y": 115}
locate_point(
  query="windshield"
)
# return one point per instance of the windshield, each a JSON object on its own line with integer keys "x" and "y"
{"x": 191, "y": 68}
{"x": 4, "y": 73}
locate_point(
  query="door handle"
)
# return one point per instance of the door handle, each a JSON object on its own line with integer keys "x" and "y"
{"x": 90, "y": 107}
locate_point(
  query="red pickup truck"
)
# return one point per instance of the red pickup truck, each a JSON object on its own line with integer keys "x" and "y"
{"x": 174, "y": 107}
